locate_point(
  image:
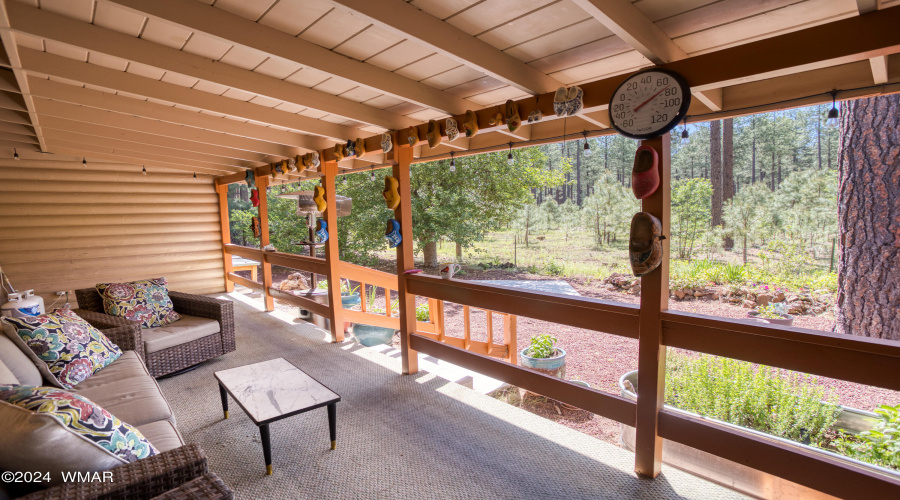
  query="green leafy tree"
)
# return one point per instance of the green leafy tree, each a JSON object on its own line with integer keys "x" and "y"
{"x": 550, "y": 214}
{"x": 690, "y": 214}
{"x": 747, "y": 215}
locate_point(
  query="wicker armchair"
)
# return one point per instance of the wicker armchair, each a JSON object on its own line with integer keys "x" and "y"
{"x": 181, "y": 473}
{"x": 178, "y": 357}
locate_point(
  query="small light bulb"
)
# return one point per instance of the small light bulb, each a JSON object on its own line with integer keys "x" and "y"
{"x": 195, "y": 175}
{"x": 143, "y": 170}
{"x": 509, "y": 158}
{"x": 84, "y": 162}
{"x": 452, "y": 162}
{"x": 373, "y": 175}
{"x": 587, "y": 148}
{"x": 344, "y": 180}
{"x": 684, "y": 136}
{"x": 832, "y": 120}
{"x": 15, "y": 154}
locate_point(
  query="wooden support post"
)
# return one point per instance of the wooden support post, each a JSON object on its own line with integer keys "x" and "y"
{"x": 262, "y": 183}
{"x": 651, "y": 352}
{"x": 403, "y": 155}
{"x": 440, "y": 320}
{"x": 489, "y": 345}
{"x": 222, "y": 191}
{"x": 509, "y": 338}
{"x": 332, "y": 253}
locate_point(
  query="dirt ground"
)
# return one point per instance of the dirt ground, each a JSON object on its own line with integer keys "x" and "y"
{"x": 600, "y": 359}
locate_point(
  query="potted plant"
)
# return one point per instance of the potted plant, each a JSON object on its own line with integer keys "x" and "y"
{"x": 773, "y": 313}
{"x": 371, "y": 335}
{"x": 349, "y": 296}
{"x": 544, "y": 356}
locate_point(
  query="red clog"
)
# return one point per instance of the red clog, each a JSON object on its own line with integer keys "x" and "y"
{"x": 645, "y": 175}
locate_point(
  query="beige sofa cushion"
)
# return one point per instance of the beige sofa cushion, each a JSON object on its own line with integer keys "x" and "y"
{"x": 187, "y": 329}
{"x": 127, "y": 390}
{"x": 7, "y": 377}
{"x": 19, "y": 363}
{"x": 162, "y": 435}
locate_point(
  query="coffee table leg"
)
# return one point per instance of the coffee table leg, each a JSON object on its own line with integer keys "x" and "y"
{"x": 332, "y": 424}
{"x": 224, "y": 394}
{"x": 267, "y": 447}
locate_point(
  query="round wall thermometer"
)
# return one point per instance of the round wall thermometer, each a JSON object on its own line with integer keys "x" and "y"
{"x": 649, "y": 103}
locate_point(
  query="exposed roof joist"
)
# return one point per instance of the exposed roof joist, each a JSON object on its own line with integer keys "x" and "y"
{"x": 135, "y": 157}
{"x": 51, "y": 26}
{"x": 879, "y": 64}
{"x": 167, "y": 121}
{"x": 232, "y": 28}
{"x": 12, "y": 53}
{"x": 409, "y": 22}
{"x": 70, "y": 69}
{"x": 638, "y": 31}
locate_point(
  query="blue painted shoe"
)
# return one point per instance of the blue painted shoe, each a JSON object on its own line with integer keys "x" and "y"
{"x": 392, "y": 233}
{"x": 387, "y": 144}
{"x": 350, "y": 149}
{"x": 559, "y": 102}
{"x": 315, "y": 159}
{"x": 322, "y": 230}
{"x": 574, "y": 101}
{"x": 250, "y": 178}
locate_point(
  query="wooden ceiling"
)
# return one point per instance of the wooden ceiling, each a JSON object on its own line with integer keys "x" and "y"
{"x": 219, "y": 86}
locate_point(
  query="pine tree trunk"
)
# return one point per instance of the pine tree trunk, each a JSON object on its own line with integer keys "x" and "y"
{"x": 728, "y": 168}
{"x": 458, "y": 251}
{"x": 753, "y": 151}
{"x": 869, "y": 219}
{"x": 429, "y": 251}
{"x": 578, "y": 173}
{"x": 715, "y": 170}
{"x": 819, "y": 139}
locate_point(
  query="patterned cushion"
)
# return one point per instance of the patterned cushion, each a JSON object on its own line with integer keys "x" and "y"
{"x": 144, "y": 301}
{"x": 55, "y": 430}
{"x": 65, "y": 348}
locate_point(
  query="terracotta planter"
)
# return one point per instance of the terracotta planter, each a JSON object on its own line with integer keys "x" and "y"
{"x": 554, "y": 366}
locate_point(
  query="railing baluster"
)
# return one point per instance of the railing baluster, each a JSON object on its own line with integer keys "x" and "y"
{"x": 387, "y": 302}
{"x": 362, "y": 296}
{"x": 466, "y": 337}
{"x": 489, "y": 345}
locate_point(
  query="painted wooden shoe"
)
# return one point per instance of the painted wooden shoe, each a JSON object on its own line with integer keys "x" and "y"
{"x": 250, "y": 177}
{"x": 319, "y": 198}
{"x": 574, "y": 100}
{"x": 413, "y": 136}
{"x": 322, "y": 230}
{"x": 433, "y": 134}
{"x": 391, "y": 192}
{"x": 535, "y": 116}
{"x": 392, "y": 233}
{"x": 452, "y": 130}
{"x": 387, "y": 143}
{"x": 645, "y": 174}
{"x": 314, "y": 159}
{"x": 292, "y": 164}
{"x": 496, "y": 119}
{"x": 471, "y": 124}
{"x": 338, "y": 152}
{"x": 349, "y": 149}
{"x": 254, "y": 226}
{"x": 360, "y": 147}
{"x": 513, "y": 121}
{"x": 559, "y": 101}
{"x": 645, "y": 243}
{"x": 254, "y": 197}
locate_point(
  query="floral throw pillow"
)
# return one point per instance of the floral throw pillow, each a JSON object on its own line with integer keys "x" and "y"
{"x": 65, "y": 348}
{"x": 81, "y": 417}
{"x": 146, "y": 302}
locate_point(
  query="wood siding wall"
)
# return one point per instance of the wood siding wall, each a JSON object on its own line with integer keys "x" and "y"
{"x": 65, "y": 226}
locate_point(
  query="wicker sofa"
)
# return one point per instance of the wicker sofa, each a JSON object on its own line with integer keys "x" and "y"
{"x": 205, "y": 331}
{"x": 126, "y": 389}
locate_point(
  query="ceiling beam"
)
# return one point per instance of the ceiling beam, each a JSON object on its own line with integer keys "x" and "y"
{"x": 9, "y": 116}
{"x": 15, "y": 128}
{"x": 408, "y": 21}
{"x": 879, "y": 69}
{"x": 12, "y": 53}
{"x": 638, "y": 31}
{"x": 233, "y": 29}
{"x": 81, "y": 136}
{"x": 174, "y": 122}
{"x": 137, "y": 156}
{"x": 52, "y": 26}
{"x": 54, "y": 65}
{"x": 55, "y": 120}
{"x": 137, "y": 162}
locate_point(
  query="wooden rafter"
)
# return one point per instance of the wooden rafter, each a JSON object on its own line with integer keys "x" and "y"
{"x": 63, "y": 67}
{"x": 409, "y": 22}
{"x": 224, "y": 25}
{"x": 90, "y": 154}
{"x": 12, "y": 53}
{"x": 141, "y": 156}
{"x": 638, "y": 31}
{"x": 52, "y": 26}
{"x": 159, "y": 120}
{"x": 879, "y": 64}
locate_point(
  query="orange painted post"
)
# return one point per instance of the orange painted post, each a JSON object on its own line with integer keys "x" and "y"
{"x": 467, "y": 336}
{"x": 362, "y": 297}
{"x": 489, "y": 345}
{"x": 262, "y": 183}
{"x": 651, "y": 351}
{"x": 332, "y": 255}
{"x": 403, "y": 155}
{"x": 387, "y": 303}
{"x": 509, "y": 337}
{"x": 440, "y": 319}
{"x": 222, "y": 191}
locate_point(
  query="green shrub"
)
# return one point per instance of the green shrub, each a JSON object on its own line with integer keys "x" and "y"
{"x": 542, "y": 346}
{"x": 770, "y": 400}
{"x": 879, "y": 446}
{"x": 422, "y": 312}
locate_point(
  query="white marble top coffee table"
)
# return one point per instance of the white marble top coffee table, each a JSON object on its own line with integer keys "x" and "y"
{"x": 273, "y": 390}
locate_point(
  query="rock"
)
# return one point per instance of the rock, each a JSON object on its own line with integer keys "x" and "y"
{"x": 735, "y": 300}
{"x": 818, "y": 310}
{"x": 792, "y": 298}
{"x": 714, "y": 296}
{"x": 748, "y": 304}
{"x": 698, "y": 294}
{"x": 636, "y": 289}
{"x": 612, "y": 288}
{"x": 679, "y": 294}
{"x": 795, "y": 309}
{"x": 779, "y": 297}
{"x": 763, "y": 299}
{"x": 294, "y": 281}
